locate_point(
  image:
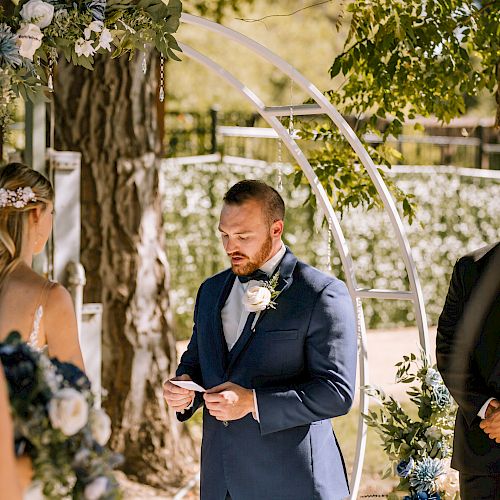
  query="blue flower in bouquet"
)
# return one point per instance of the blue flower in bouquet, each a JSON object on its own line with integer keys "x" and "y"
{"x": 425, "y": 473}
{"x": 20, "y": 365}
{"x": 9, "y": 52}
{"x": 433, "y": 378}
{"x": 441, "y": 396}
{"x": 422, "y": 495}
{"x": 404, "y": 467}
{"x": 97, "y": 9}
{"x": 72, "y": 375}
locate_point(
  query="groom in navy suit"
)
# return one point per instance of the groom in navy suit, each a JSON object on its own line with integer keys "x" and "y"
{"x": 274, "y": 344}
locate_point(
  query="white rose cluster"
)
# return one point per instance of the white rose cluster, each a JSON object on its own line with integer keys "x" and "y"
{"x": 37, "y": 12}
{"x": 36, "y": 15}
{"x": 68, "y": 411}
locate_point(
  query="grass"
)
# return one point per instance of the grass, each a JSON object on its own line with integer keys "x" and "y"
{"x": 346, "y": 429}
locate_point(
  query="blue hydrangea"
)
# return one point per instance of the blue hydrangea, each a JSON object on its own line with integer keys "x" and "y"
{"x": 97, "y": 9}
{"x": 9, "y": 52}
{"x": 424, "y": 474}
{"x": 422, "y": 495}
{"x": 441, "y": 396}
{"x": 433, "y": 378}
{"x": 404, "y": 467}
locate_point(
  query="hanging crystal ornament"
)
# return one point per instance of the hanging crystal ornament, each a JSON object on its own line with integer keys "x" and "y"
{"x": 50, "y": 80}
{"x": 329, "y": 248}
{"x": 145, "y": 61}
{"x": 161, "y": 93}
{"x": 291, "y": 129}
{"x": 280, "y": 165}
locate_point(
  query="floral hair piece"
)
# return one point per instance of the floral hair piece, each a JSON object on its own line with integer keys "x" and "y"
{"x": 18, "y": 198}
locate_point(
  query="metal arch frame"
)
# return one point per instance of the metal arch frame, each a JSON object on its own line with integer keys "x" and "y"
{"x": 323, "y": 106}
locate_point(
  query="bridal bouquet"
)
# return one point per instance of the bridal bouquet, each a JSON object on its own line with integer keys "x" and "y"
{"x": 57, "y": 426}
{"x": 418, "y": 443}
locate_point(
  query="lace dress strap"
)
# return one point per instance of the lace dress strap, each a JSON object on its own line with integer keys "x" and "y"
{"x": 34, "y": 340}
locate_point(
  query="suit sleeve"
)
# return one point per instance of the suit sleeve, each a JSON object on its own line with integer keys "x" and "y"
{"x": 330, "y": 360}
{"x": 190, "y": 365}
{"x": 454, "y": 359}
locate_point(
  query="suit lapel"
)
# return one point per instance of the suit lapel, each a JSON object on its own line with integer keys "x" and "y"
{"x": 220, "y": 340}
{"x": 285, "y": 269}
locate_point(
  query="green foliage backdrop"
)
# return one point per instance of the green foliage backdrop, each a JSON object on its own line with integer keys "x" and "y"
{"x": 456, "y": 214}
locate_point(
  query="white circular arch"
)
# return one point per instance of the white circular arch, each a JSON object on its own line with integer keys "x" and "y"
{"x": 322, "y": 106}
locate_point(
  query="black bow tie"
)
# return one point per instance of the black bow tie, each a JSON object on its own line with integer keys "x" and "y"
{"x": 257, "y": 275}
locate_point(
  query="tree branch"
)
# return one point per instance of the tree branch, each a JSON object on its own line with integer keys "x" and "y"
{"x": 283, "y": 15}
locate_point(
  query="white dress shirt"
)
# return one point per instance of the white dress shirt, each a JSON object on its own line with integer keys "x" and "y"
{"x": 482, "y": 412}
{"x": 234, "y": 315}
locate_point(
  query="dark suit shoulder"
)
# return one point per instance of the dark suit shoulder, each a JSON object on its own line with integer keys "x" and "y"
{"x": 473, "y": 264}
{"x": 481, "y": 255}
{"x": 315, "y": 279}
{"x": 217, "y": 280}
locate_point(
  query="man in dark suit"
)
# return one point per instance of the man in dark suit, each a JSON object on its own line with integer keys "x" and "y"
{"x": 276, "y": 373}
{"x": 468, "y": 357}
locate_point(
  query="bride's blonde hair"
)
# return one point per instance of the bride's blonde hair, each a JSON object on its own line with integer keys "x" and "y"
{"x": 14, "y": 219}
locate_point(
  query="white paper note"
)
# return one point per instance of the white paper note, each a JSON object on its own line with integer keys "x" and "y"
{"x": 188, "y": 384}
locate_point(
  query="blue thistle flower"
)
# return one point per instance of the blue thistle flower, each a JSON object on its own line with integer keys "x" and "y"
{"x": 424, "y": 473}
{"x": 405, "y": 467}
{"x": 441, "y": 396}
{"x": 97, "y": 9}
{"x": 9, "y": 53}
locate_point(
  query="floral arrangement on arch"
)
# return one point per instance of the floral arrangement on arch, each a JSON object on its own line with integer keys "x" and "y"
{"x": 58, "y": 427}
{"x": 34, "y": 33}
{"x": 419, "y": 443}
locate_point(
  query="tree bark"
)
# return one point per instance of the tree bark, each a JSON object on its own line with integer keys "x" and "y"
{"x": 109, "y": 115}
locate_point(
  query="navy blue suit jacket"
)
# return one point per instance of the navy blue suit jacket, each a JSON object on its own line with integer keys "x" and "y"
{"x": 301, "y": 360}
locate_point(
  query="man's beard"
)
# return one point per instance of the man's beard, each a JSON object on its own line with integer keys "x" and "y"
{"x": 257, "y": 261}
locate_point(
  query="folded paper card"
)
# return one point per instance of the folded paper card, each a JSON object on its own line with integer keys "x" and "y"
{"x": 188, "y": 384}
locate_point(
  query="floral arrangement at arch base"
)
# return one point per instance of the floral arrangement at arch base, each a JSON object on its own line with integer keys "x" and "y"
{"x": 419, "y": 448}
{"x": 58, "y": 427}
{"x": 35, "y": 33}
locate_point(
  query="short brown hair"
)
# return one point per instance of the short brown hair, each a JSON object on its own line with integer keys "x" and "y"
{"x": 274, "y": 206}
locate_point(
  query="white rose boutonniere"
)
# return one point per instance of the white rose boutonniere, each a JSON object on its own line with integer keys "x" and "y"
{"x": 260, "y": 297}
{"x": 68, "y": 411}
{"x": 37, "y": 12}
{"x": 29, "y": 39}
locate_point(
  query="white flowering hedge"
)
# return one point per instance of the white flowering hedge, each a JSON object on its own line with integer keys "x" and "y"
{"x": 455, "y": 215}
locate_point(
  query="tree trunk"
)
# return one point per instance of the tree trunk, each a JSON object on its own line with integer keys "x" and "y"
{"x": 109, "y": 115}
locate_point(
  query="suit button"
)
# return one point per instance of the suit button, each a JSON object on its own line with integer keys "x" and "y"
{"x": 225, "y": 423}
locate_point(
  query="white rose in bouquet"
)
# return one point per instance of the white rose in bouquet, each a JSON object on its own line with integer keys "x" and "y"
{"x": 100, "y": 425}
{"x": 449, "y": 481}
{"x": 68, "y": 411}
{"x": 29, "y": 39}
{"x": 37, "y": 12}
{"x": 34, "y": 492}
{"x": 96, "y": 489}
{"x": 257, "y": 298}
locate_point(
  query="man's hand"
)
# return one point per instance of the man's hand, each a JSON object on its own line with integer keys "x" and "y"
{"x": 177, "y": 397}
{"x": 491, "y": 424}
{"x": 229, "y": 401}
